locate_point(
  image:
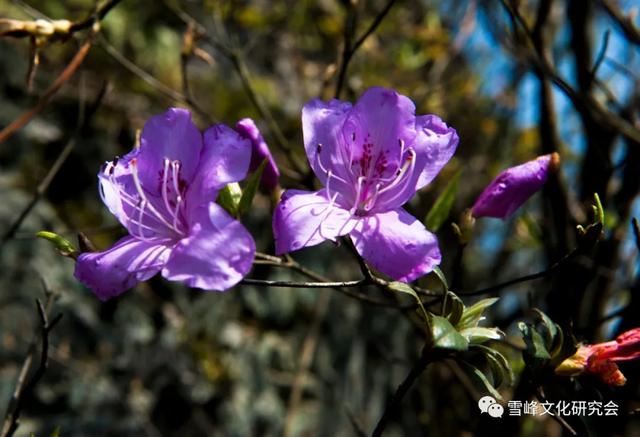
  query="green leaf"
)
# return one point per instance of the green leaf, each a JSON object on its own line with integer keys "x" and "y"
{"x": 250, "y": 189}
{"x": 534, "y": 342}
{"x": 478, "y": 334}
{"x": 495, "y": 358}
{"x": 60, "y": 243}
{"x": 599, "y": 210}
{"x": 445, "y": 335}
{"x": 453, "y": 307}
{"x": 56, "y": 432}
{"x": 443, "y": 279}
{"x": 480, "y": 379}
{"x": 229, "y": 198}
{"x": 551, "y": 329}
{"x": 401, "y": 287}
{"x": 443, "y": 204}
{"x": 551, "y": 332}
{"x": 473, "y": 314}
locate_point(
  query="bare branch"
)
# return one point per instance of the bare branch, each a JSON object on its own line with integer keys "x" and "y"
{"x": 426, "y": 356}
{"x": 12, "y": 416}
{"x": 64, "y": 77}
{"x": 302, "y": 284}
{"x": 631, "y": 32}
{"x": 152, "y": 81}
{"x": 43, "y": 186}
{"x": 349, "y": 50}
{"x": 584, "y": 103}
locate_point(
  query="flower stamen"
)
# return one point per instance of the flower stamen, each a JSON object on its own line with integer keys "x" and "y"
{"x": 145, "y": 200}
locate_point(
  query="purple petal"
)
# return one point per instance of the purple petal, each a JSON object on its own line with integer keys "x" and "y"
{"x": 397, "y": 244}
{"x": 171, "y": 136}
{"x": 260, "y": 151}
{"x": 436, "y": 143}
{"x": 380, "y": 119}
{"x": 304, "y": 219}
{"x": 119, "y": 268}
{"x": 218, "y": 253}
{"x": 513, "y": 187}
{"x": 115, "y": 181}
{"x": 145, "y": 216}
{"x": 323, "y": 141}
{"x": 225, "y": 158}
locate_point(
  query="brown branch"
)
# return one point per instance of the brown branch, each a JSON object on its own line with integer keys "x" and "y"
{"x": 526, "y": 278}
{"x": 12, "y": 416}
{"x": 426, "y": 356}
{"x": 585, "y": 104}
{"x": 100, "y": 12}
{"x": 152, "y": 81}
{"x": 636, "y": 232}
{"x": 350, "y": 50}
{"x": 237, "y": 59}
{"x": 43, "y": 186}
{"x": 291, "y": 264}
{"x": 625, "y": 23}
{"x": 63, "y": 78}
{"x": 306, "y": 358}
{"x": 302, "y": 284}
{"x": 236, "y": 56}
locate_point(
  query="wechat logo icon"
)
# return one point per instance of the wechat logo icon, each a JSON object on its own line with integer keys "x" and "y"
{"x": 488, "y": 404}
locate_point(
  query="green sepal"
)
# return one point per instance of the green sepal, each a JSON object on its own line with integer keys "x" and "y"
{"x": 61, "y": 244}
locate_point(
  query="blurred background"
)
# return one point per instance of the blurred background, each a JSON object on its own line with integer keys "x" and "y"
{"x": 516, "y": 79}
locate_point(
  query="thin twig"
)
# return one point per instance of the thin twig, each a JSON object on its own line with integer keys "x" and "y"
{"x": 585, "y": 104}
{"x": 12, "y": 416}
{"x": 426, "y": 356}
{"x": 636, "y": 232}
{"x": 601, "y": 54}
{"x": 152, "y": 81}
{"x": 521, "y": 279}
{"x": 349, "y": 51}
{"x": 66, "y": 74}
{"x": 236, "y": 56}
{"x": 43, "y": 186}
{"x": 293, "y": 265}
{"x": 558, "y": 418}
{"x": 237, "y": 59}
{"x": 347, "y": 37}
{"x": 625, "y": 23}
{"x": 302, "y": 284}
{"x": 100, "y": 12}
{"x": 309, "y": 347}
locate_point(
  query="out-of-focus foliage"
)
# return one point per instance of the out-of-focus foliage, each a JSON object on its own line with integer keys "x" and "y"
{"x": 163, "y": 360}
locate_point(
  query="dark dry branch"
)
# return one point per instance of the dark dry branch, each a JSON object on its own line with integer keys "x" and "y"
{"x": 625, "y": 23}
{"x": 601, "y": 54}
{"x": 22, "y": 390}
{"x": 518, "y": 280}
{"x": 309, "y": 347}
{"x": 349, "y": 50}
{"x": 426, "y": 356}
{"x": 636, "y": 232}
{"x": 290, "y": 263}
{"x": 64, "y": 77}
{"x": 586, "y": 104}
{"x": 42, "y": 188}
{"x": 99, "y": 13}
{"x": 151, "y": 80}
{"x": 302, "y": 284}
{"x": 236, "y": 56}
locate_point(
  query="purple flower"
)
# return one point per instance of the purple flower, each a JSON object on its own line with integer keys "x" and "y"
{"x": 248, "y": 129}
{"x": 163, "y": 192}
{"x": 371, "y": 158}
{"x": 514, "y": 186}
